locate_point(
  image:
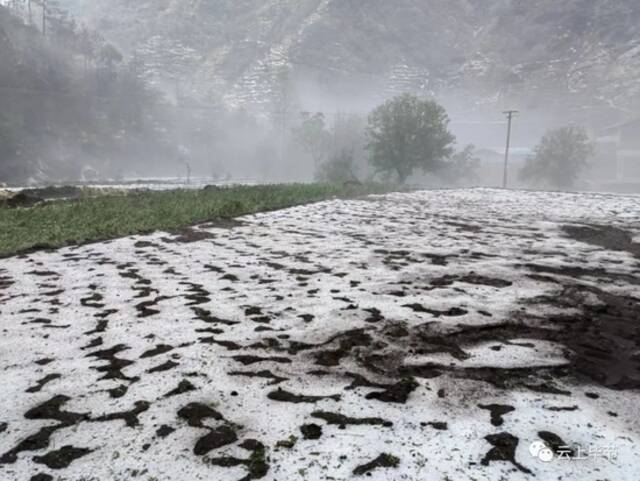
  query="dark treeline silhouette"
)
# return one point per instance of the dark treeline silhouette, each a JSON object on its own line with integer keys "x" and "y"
{"x": 73, "y": 107}
{"x": 70, "y": 102}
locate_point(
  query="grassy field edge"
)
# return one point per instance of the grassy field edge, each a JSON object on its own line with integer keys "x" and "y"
{"x": 58, "y": 224}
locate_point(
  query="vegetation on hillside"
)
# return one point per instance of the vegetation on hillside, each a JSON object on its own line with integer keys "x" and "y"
{"x": 407, "y": 133}
{"x": 559, "y": 159}
{"x": 72, "y": 106}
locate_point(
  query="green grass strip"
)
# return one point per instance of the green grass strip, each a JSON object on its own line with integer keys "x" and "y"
{"x": 61, "y": 223}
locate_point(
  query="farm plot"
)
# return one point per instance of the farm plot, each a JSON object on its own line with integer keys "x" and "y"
{"x": 470, "y": 334}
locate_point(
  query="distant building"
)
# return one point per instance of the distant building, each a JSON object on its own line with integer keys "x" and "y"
{"x": 619, "y": 152}
{"x": 492, "y": 165}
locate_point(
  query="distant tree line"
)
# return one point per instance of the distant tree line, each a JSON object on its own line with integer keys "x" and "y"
{"x": 559, "y": 159}
{"x": 72, "y": 106}
{"x": 408, "y": 135}
{"x": 70, "y": 102}
{"x": 404, "y": 135}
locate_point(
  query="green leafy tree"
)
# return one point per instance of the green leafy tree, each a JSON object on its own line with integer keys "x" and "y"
{"x": 559, "y": 158}
{"x": 461, "y": 167}
{"x": 313, "y": 136}
{"x": 339, "y": 168}
{"x": 406, "y": 133}
{"x": 10, "y": 166}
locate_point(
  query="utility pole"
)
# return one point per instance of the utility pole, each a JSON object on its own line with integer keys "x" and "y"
{"x": 283, "y": 134}
{"x": 510, "y": 114}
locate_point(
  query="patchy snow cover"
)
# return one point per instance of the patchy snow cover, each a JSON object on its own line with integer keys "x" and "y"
{"x": 448, "y": 330}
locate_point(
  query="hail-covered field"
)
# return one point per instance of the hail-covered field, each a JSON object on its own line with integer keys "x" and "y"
{"x": 441, "y": 335}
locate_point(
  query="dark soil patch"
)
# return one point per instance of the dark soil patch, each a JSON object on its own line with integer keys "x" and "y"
{"x": 578, "y": 272}
{"x": 361, "y": 381}
{"x": 34, "y": 442}
{"x": 251, "y": 444}
{"x": 438, "y": 425}
{"x": 453, "y": 312}
{"x": 311, "y": 431}
{"x": 261, "y": 319}
{"x": 163, "y": 367}
{"x": 145, "y": 245}
{"x": 261, "y": 374}
{"x": 556, "y": 444}
{"x": 471, "y": 278}
{"x": 397, "y": 393}
{"x": 216, "y": 438}
{"x": 145, "y": 308}
{"x": 347, "y": 341}
{"x": 210, "y": 330}
{"x": 504, "y": 449}
{"x": 52, "y": 409}
{"x": 604, "y": 339}
{"x": 342, "y": 420}
{"x": 382, "y": 461}
{"x": 164, "y": 431}
{"x": 62, "y": 457}
{"x": 375, "y": 316}
{"x": 538, "y": 379}
{"x": 156, "y": 351}
{"x": 44, "y": 362}
{"x": 41, "y": 477}
{"x": 288, "y": 443}
{"x": 602, "y": 342}
{"x": 197, "y": 294}
{"x": 497, "y": 411}
{"x": 562, "y": 408}
{"x": 129, "y": 417}
{"x": 102, "y": 323}
{"x": 113, "y": 370}
{"x": 42, "y": 382}
{"x": 436, "y": 259}
{"x": 183, "y": 387}
{"x": 256, "y": 465}
{"x": 207, "y": 317}
{"x": 118, "y": 392}
{"x": 39, "y": 321}
{"x": 228, "y": 345}
{"x": 607, "y": 237}
{"x": 188, "y": 235}
{"x": 95, "y": 342}
{"x": 195, "y": 413}
{"x": 93, "y": 301}
{"x": 286, "y": 396}
{"x": 249, "y": 359}
{"x": 252, "y": 311}
{"x": 43, "y": 273}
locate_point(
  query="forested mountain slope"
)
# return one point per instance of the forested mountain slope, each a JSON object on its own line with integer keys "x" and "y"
{"x": 580, "y": 52}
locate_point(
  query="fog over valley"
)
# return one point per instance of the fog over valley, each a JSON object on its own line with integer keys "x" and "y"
{"x": 115, "y": 89}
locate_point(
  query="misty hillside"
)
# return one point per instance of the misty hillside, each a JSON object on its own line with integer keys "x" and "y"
{"x": 581, "y": 52}
{"x": 72, "y": 106}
